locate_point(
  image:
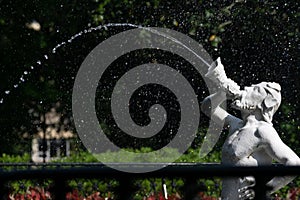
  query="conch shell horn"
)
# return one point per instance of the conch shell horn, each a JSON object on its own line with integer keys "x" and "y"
{"x": 217, "y": 74}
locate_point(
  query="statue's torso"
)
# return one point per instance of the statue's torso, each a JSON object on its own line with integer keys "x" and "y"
{"x": 244, "y": 146}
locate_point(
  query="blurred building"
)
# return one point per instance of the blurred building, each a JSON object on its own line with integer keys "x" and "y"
{"x": 53, "y": 140}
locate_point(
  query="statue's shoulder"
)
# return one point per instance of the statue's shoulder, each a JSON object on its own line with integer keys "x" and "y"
{"x": 266, "y": 130}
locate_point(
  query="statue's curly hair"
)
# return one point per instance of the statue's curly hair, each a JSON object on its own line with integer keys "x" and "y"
{"x": 272, "y": 100}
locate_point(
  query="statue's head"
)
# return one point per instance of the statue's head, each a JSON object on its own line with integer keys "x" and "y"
{"x": 264, "y": 96}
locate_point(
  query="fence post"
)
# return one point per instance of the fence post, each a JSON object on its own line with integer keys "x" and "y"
{"x": 125, "y": 189}
{"x": 59, "y": 188}
{"x": 3, "y": 191}
{"x": 261, "y": 188}
{"x": 192, "y": 188}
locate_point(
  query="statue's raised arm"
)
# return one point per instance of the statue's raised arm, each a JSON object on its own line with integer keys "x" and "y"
{"x": 211, "y": 105}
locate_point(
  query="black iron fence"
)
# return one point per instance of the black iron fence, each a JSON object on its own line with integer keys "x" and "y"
{"x": 60, "y": 173}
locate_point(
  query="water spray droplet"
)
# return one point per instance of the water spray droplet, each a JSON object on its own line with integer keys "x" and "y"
{"x": 39, "y": 62}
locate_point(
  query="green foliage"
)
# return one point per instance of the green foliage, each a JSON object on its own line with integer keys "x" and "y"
{"x": 89, "y": 186}
{"x": 167, "y": 155}
{"x": 5, "y": 158}
{"x": 192, "y": 155}
{"x": 288, "y": 127}
{"x": 81, "y": 156}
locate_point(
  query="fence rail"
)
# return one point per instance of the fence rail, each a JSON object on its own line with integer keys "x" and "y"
{"x": 62, "y": 172}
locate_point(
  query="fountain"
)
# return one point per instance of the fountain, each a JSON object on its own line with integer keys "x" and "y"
{"x": 195, "y": 51}
{"x": 257, "y": 117}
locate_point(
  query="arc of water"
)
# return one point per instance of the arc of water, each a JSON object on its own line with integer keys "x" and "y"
{"x": 105, "y": 26}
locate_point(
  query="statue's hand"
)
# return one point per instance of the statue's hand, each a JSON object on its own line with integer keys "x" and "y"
{"x": 247, "y": 191}
{"x": 231, "y": 88}
{"x": 216, "y": 72}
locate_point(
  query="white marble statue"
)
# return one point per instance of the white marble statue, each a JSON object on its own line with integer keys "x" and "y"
{"x": 252, "y": 140}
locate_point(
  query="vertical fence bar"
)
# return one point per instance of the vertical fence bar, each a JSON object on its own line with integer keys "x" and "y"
{"x": 191, "y": 188}
{"x": 261, "y": 188}
{"x": 126, "y": 189}
{"x": 2, "y": 190}
{"x": 59, "y": 189}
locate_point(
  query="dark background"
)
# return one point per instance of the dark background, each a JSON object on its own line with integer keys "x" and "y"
{"x": 257, "y": 41}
